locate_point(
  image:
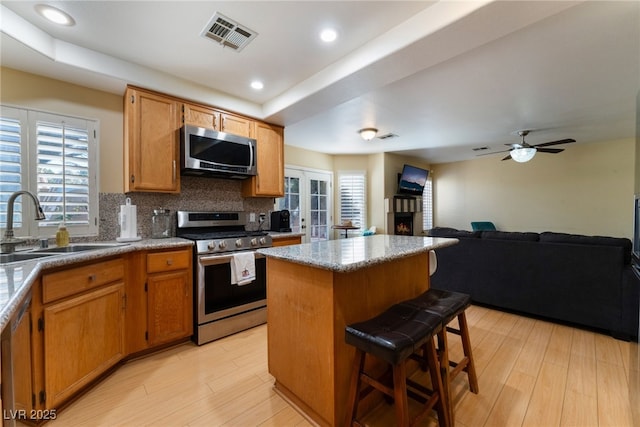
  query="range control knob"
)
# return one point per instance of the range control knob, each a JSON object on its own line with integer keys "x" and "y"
{"x": 211, "y": 246}
{"x": 238, "y": 243}
{"x": 222, "y": 244}
{"x": 263, "y": 241}
{"x": 254, "y": 242}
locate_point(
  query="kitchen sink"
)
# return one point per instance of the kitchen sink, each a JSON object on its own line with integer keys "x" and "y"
{"x": 20, "y": 256}
{"x": 79, "y": 247}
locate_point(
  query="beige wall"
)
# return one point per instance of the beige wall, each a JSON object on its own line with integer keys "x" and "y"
{"x": 588, "y": 189}
{"x": 26, "y": 90}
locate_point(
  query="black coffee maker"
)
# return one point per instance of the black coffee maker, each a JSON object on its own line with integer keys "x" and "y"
{"x": 280, "y": 221}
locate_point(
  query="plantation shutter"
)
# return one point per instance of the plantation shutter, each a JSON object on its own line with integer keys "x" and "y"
{"x": 427, "y": 205}
{"x": 353, "y": 202}
{"x": 11, "y": 160}
{"x": 62, "y": 174}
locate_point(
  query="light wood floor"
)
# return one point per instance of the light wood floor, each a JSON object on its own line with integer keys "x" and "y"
{"x": 531, "y": 373}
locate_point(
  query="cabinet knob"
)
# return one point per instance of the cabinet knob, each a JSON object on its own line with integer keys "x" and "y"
{"x": 169, "y": 261}
{"x": 92, "y": 277}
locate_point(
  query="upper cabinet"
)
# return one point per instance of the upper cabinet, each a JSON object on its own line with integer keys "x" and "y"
{"x": 237, "y": 125}
{"x": 269, "y": 182}
{"x": 200, "y": 116}
{"x": 152, "y": 125}
{"x": 151, "y": 142}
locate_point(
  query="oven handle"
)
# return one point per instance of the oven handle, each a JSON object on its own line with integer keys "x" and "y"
{"x": 205, "y": 260}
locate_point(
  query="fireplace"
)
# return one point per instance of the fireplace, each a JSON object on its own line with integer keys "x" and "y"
{"x": 403, "y": 224}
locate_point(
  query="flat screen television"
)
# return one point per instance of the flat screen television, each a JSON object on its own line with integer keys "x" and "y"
{"x": 412, "y": 180}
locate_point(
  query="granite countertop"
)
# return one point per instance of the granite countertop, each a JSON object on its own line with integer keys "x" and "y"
{"x": 16, "y": 278}
{"x": 344, "y": 255}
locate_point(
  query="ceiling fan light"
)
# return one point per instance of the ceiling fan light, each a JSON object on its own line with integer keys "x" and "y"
{"x": 523, "y": 154}
{"x": 368, "y": 133}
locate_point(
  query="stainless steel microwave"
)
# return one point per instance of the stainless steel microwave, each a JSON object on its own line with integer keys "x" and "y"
{"x": 206, "y": 152}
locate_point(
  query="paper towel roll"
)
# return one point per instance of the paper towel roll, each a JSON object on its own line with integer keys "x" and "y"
{"x": 128, "y": 220}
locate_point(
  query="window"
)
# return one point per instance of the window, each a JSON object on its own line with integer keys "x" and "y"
{"x": 54, "y": 157}
{"x": 353, "y": 200}
{"x": 427, "y": 205}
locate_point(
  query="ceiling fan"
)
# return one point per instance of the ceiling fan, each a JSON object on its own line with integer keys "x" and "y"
{"x": 523, "y": 152}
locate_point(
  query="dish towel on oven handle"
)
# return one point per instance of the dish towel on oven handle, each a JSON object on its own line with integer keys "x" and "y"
{"x": 243, "y": 268}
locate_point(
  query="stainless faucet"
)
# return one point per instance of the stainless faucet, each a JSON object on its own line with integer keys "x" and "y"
{"x": 8, "y": 242}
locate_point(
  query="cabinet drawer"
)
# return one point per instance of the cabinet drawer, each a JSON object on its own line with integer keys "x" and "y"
{"x": 167, "y": 261}
{"x": 74, "y": 280}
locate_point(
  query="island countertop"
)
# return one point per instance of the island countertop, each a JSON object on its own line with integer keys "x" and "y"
{"x": 344, "y": 255}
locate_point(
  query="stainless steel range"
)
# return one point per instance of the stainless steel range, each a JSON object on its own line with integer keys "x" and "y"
{"x": 222, "y": 307}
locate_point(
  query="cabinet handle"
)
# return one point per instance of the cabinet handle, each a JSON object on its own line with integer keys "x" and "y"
{"x": 92, "y": 277}
{"x": 169, "y": 261}
{"x": 124, "y": 301}
{"x": 174, "y": 171}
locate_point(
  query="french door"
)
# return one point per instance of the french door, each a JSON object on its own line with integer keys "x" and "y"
{"x": 308, "y": 197}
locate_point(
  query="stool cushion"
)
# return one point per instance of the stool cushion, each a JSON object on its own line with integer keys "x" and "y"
{"x": 447, "y": 304}
{"x": 394, "y": 334}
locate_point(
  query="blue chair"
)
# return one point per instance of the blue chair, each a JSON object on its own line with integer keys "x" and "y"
{"x": 482, "y": 226}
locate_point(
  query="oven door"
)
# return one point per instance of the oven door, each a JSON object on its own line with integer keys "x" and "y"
{"x": 217, "y": 298}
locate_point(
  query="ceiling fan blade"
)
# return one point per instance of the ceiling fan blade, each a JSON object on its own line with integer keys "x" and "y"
{"x": 508, "y": 157}
{"x": 550, "y": 150}
{"x": 562, "y": 141}
{"x": 493, "y": 152}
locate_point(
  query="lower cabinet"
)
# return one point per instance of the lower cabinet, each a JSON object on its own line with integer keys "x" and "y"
{"x": 161, "y": 288}
{"x": 85, "y": 318}
{"x": 83, "y": 337}
{"x": 286, "y": 241}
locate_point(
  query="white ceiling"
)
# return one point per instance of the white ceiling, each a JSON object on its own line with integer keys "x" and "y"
{"x": 444, "y": 76}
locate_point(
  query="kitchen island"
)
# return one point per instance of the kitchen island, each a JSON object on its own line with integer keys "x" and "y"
{"x": 314, "y": 290}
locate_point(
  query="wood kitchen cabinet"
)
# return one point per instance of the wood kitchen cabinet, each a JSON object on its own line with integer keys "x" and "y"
{"x": 79, "y": 326}
{"x": 286, "y": 241}
{"x": 151, "y": 142}
{"x": 201, "y": 116}
{"x": 269, "y": 182}
{"x": 161, "y": 290}
{"x": 237, "y": 125}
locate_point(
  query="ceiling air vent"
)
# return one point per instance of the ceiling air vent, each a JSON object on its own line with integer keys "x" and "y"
{"x": 227, "y": 32}
{"x": 388, "y": 136}
{"x": 480, "y": 148}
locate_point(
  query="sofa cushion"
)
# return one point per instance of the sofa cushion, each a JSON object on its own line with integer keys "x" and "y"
{"x": 452, "y": 232}
{"x": 511, "y": 235}
{"x": 578, "y": 239}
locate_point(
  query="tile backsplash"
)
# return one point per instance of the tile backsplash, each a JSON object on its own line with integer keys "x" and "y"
{"x": 197, "y": 194}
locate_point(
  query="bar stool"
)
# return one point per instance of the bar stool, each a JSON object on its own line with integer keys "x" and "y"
{"x": 393, "y": 337}
{"x": 448, "y": 305}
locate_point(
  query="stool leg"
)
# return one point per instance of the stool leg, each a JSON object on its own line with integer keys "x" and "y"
{"x": 438, "y": 378}
{"x": 354, "y": 388}
{"x": 466, "y": 346}
{"x": 400, "y": 394}
{"x": 443, "y": 347}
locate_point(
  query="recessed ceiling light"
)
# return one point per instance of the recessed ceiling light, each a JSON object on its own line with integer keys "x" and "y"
{"x": 257, "y": 85}
{"x": 328, "y": 35}
{"x": 55, "y": 15}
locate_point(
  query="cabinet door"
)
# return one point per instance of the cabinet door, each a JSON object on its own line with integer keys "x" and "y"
{"x": 201, "y": 116}
{"x": 269, "y": 182}
{"x": 83, "y": 337}
{"x": 169, "y": 306}
{"x": 236, "y": 125}
{"x": 21, "y": 356}
{"x": 151, "y": 142}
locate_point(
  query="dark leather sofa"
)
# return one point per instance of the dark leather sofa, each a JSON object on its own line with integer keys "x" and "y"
{"x": 582, "y": 280}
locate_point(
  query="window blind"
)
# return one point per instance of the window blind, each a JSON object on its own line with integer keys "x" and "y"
{"x": 63, "y": 173}
{"x": 10, "y": 167}
{"x": 353, "y": 201}
{"x": 427, "y": 205}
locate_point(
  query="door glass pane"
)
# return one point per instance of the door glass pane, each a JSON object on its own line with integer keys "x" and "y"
{"x": 319, "y": 208}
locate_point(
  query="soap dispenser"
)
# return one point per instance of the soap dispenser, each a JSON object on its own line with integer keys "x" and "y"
{"x": 62, "y": 235}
